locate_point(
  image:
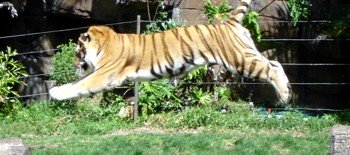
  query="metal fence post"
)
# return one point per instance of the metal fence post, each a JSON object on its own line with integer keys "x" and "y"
{"x": 136, "y": 89}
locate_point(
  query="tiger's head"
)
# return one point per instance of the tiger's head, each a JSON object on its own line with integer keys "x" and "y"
{"x": 80, "y": 52}
{"x": 90, "y": 47}
{"x": 282, "y": 85}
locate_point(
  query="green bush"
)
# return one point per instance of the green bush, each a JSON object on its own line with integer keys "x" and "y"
{"x": 10, "y": 72}
{"x": 160, "y": 22}
{"x": 250, "y": 21}
{"x": 299, "y": 9}
{"x": 220, "y": 12}
{"x": 64, "y": 69}
{"x": 340, "y": 23}
{"x": 158, "y": 96}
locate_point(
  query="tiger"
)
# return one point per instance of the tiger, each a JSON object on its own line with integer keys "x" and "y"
{"x": 116, "y": 57}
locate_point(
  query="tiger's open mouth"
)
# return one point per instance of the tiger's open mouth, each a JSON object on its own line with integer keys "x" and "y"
{"x": 80, "y": 54}
{"x": 82, "y": 67}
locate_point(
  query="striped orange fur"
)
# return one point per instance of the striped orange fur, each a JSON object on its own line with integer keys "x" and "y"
{"x": 119, "y": 57}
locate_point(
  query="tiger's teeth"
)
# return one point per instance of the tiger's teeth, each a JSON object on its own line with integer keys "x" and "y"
{"x": 79, "y": 71}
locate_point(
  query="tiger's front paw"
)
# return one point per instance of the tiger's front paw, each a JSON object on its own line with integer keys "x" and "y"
{"x": 56, "y": 93}
{"x": 63, "y": 92}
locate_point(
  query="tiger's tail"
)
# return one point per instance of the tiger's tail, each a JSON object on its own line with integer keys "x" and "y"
{"x": 239, "y": 13}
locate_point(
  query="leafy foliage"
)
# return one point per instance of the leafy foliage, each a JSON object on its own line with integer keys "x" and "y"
{"x": 299, "y": 9}
{"x": 220, "y": 12}
{"x": 200, "y": 97}
{"x": 340, "y": 23}
{"x": 158, "y": 96}
{"x": 162, "y": 21}
{"x": 64, "y": 69}
{"x": 10, "y": 72}
{"x": 250, "y": 21}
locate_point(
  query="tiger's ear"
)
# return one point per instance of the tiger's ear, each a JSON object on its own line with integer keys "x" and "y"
{"x": 85, "y": 37}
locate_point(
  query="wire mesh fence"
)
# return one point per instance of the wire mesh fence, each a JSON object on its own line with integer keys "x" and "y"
{"x": 194, "y": 83}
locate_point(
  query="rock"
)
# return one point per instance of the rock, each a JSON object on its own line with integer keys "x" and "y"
{"x": 14, "y": 147}
{"x": 340, "y": 140}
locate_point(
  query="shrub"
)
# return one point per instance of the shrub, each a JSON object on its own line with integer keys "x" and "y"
{"x": 158, "y": 96}
{"x": 64, "y": 69}
{"x": 10, "y": 72}
{"x": 220, "y": 12}
{"x": 160, "y": 20}
{"x": 299, "y": 9}
{"x": 250, "y": 21}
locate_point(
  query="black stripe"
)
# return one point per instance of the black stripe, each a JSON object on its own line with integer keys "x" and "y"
{"x": 191, "y": 60}
{"x": 272, "y": 64}
{"x": 224, "y": 61}
{"x": 204, "y": 56}
{"x": 166, "y": 51}
{"x": 135, "y": 52}
{"x": 155, "y": 74}
{"x": 267, "y": 72}
{"x": 245, "y": 4}
{"x": 258, "y": 74}
{"x": 212, "y": 34}
{"x": 182, "y": 69}
{"x": 240, "y": 11}
{"x": 237, "y": 50}
{"x": 152, "y": 68}
{"x": 226, "y": 56}
{"x": 188, "y": 34}
{"x": 223, "y": 38}
{"x": 156, "y": 52}
{"x": 233, "y": 21}
{"x": 96, "y": 30}
{"x": 205, "y": 42}
{"x": 142, "y": 51}
{"x": 169, "y": 70}
{"x": 186, "y": 60}
{"x": 252, "y": 67}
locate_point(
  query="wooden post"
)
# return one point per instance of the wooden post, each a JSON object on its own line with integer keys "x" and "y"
{"x": 136, "y": 89}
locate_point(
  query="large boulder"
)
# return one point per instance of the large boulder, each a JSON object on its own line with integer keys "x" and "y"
{"x": 13, "y": 146}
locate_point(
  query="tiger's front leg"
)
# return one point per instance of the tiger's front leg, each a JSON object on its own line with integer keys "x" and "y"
{"x": 91, "y": 84}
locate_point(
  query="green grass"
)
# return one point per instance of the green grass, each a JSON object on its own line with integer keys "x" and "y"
{"x": 85, "y": 127}
{"x": 200, "y": 143}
